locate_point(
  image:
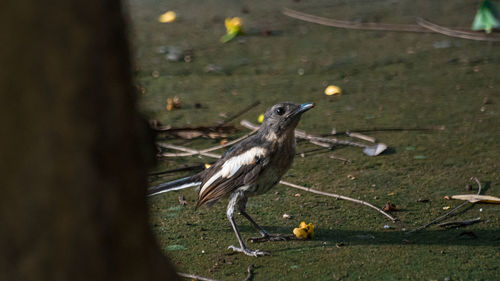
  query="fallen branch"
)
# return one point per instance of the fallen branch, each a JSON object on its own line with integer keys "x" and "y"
{"x": 440, "y": 218}
{"x": 457, "y": 33}
{"x": 194, "y": 277}
{"x": 213, "y": 155}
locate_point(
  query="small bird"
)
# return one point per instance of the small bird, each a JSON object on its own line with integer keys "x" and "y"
{"x": 249, "y": 168}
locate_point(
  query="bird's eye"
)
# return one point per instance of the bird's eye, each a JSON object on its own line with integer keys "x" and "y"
{"x": 279, "y": 110}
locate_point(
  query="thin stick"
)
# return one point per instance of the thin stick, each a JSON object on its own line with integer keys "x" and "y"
{"x": 250, "y": 272}
{"x": 204, "y": 152}
{"x": 389, "y": 129}
{"x": 457, "y": 33}
{"x": 339, "y": 197}
{"x": 422, "y": 26}
{"x": 195, "y": 277}
{"x": 440, "y": 218}
{"x": 353, "y": 25}
{"x": 360, "y": 136}
{"x": 459, "y": 223}
{"x": 176, "y": 147}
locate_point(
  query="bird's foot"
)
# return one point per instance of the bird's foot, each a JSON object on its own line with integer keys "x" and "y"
{"x": 248, "y": 252}
{"x": 270, "y": 237}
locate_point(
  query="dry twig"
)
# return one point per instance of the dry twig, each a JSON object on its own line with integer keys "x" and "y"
{"x": 440, "y": 218}
{"x": 194, "y": 277}
{"x": 422, "y": 26}
{"x": 459, "y": 223}
{"x": 339, "y": 197}
{"x": 204, "y": 152}
{"x": 250, "y": 273}
{"x": 353, "y": 25}
{"x": 458, "y": 33}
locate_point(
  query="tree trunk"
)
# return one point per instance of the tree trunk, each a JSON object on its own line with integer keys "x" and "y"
{"x": 73, "y": 168}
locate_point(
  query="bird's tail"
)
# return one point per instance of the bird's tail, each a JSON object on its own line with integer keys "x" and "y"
{"x": 179, "y": 184}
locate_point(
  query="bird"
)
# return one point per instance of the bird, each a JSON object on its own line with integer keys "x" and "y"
{"x": 249, "y": 168}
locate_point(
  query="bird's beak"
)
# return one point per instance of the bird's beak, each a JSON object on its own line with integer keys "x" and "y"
{"x": 304, "y": 107}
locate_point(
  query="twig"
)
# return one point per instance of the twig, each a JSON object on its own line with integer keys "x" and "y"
{"x": 195, "y": 277}
{"x": 250, "y": 273}
{"x": 389, "y": 129}
{"x": 459, "y": 223}
{"x": 422, "y": 26}
{"x": 339, "y": 197}
{"x": 243, "y": 111}
{"x": 457, "y": 33}
{"x": 175, "y": 147}
{"x": 182, "y": 201}
{"x": 353, "y": 25}
{"x": 440, "y": 218}
{"x": 361, "y": 136}
{"x": 204, "y": 152}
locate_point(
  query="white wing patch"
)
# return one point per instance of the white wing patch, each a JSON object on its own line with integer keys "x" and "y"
{"x": 233, "y": 164}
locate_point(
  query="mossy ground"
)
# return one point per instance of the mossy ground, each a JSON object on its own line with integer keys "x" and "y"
{"x": 389, "y": 79}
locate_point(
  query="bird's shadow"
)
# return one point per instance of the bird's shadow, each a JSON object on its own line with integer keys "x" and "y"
{"x": 455, "y": 236}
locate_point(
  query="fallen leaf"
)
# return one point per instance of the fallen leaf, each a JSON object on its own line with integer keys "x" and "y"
{"x": 388, "y": 207}
{"x": 446, "y": 207}
{"x": 474, "y": 198}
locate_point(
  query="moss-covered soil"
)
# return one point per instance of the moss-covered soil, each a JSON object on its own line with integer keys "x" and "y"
{"x": 389, "y": 79}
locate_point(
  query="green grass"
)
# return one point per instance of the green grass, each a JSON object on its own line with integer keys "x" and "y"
{"x": 388, "y": 80}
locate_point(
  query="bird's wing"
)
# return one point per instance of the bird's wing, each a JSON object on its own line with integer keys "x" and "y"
{"x": 241, "y": 166}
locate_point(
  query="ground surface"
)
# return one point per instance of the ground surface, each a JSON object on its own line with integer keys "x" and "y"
{"x": 389, "y": 80}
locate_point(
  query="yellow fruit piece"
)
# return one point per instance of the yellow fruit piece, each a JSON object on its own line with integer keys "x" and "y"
{"x": 169, "y": 16}
{"x": 304, "y": 231}
{"x": 261, "y": 118}
{"x": 234, "y": 25}
{"x": 333, "y": 90}
{"x": 300, "y": 233}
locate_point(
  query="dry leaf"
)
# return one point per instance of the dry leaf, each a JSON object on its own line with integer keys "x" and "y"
{"x": 473, "y": 198}
{"x": 388, "y": 207}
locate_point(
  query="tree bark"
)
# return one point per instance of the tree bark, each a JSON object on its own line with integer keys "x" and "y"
{"x": 73, "y": 168}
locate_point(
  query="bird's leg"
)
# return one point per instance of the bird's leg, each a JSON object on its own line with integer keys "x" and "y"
{"x": 265, "y": 235}
{"x": 238, "y": 198}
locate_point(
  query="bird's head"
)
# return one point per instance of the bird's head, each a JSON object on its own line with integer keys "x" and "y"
{"x": 283, "y": 117}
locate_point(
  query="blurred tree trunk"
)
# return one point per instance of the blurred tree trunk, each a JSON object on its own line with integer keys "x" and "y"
{"x": 73, "y": 173}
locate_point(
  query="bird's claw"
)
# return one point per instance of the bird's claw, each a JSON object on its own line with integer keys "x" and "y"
{"x": 269, "y": 237}
{"x": 248, "y": 252}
